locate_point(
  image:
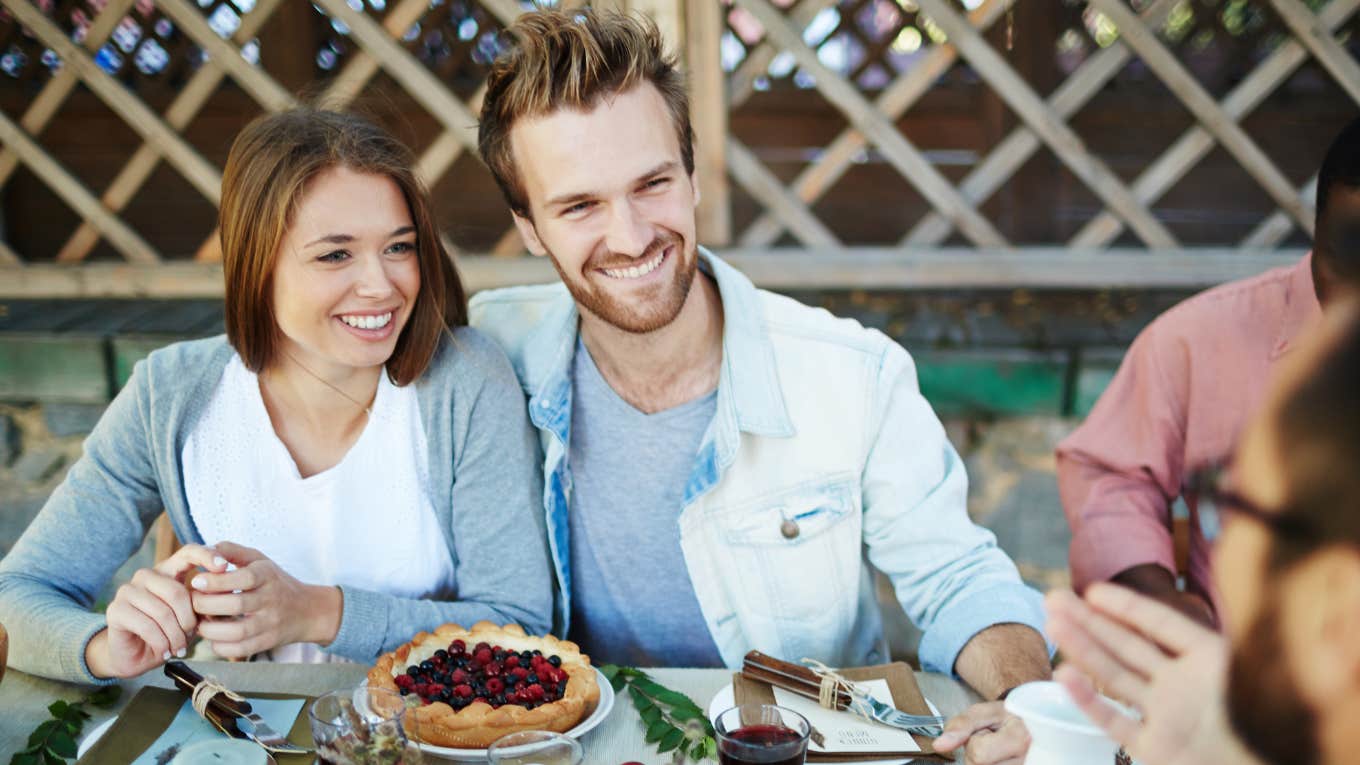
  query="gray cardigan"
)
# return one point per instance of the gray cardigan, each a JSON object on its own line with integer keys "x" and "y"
{"x": 484, "y": 474}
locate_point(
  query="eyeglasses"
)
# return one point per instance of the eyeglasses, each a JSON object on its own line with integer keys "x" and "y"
{"x": 1214, "y": 502}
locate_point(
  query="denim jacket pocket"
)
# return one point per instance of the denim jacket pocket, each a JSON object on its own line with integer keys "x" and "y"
{"x": 791, "y": 563}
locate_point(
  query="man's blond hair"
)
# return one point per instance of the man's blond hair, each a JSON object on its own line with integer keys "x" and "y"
{"x": 572, "y": 60}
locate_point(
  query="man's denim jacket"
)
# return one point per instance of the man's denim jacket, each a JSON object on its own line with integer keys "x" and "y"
{"x": 818, "y": 421}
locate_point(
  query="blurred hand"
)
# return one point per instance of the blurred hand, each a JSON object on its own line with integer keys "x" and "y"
{"x": 1147, "y": 655}
{"x": 988, "y": 734}
{"x": 259, "y": 606}
{"x": 151, "y": 617}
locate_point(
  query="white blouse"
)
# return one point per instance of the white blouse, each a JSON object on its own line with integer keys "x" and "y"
{"x": 368, "y": 522}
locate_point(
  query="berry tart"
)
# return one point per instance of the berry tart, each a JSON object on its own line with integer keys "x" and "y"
{"x": 480, "y": 684}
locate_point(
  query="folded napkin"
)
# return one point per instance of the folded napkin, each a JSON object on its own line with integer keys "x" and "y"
{"x": 906, "y": 696}
{"x": 153, "y": 711}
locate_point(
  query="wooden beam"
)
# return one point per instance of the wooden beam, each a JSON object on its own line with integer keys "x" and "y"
{"x": 222, "y": 54}
{"x": 1196, "y": 142}
{"x": 53, "y": 94}
{"x": 123, "y": 238}
{"x": 1008, "y": 156}
{"x": 741, "y": 83}
{"x": 906, "y": 158}
{"x": 1316, "y": 35}
{"x": 362, "y": 65}
{"x": 1274, "y": 229}
{"x": 841, "y": 268}
{"x": 418, "y": 81}
{"x": 1188, "y": 90}
{"x": 766, "y": 188}
{"x": 198, "y": 171}
{"x": 708, "y": 116}
{"x": 1050, "y": 126}
{"x": 894, "y": 101}
{"x": 182, "y": 111}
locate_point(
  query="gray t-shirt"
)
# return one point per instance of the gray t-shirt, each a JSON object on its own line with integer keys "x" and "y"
{"x": 632, "y": 600}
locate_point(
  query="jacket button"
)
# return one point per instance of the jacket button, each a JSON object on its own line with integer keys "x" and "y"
{"x": 789, "y": 528}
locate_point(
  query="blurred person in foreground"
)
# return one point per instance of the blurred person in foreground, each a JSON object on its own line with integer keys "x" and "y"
{"x": 1182, "y": 395}
{"x": 1284, "y": 684}
{"x": 723, "y": 464}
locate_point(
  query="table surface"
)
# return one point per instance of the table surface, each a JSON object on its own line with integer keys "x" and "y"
{"x": 24, "y": 699}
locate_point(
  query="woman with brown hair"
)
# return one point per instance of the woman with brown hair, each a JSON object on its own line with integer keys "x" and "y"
{"x": 349, "y": 465}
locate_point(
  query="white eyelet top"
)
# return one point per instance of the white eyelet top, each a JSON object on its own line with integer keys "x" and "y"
{"x": 367, "y": 522}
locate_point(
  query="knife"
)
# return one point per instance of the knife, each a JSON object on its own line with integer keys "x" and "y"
{"x": 250, "y": 724}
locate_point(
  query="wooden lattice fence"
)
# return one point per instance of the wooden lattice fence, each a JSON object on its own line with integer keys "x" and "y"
{"x": 879, "y": 143}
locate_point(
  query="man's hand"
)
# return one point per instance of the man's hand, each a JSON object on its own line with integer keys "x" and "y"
{"x": 988, "y": 735}
{"x": 1159, "y": 584}
{"x": 1148, "y": 655}
{"x": 992, "y": 662}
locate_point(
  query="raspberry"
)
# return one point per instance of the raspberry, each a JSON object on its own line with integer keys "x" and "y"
{"x": 493, "y": 669}
{"x": 458, "y": 677}
{"x": 462, "y": 690}
{"x": 512, "y": 661}
{"x": 481, "y": 647}
{"x": 457, "y": 646}
{"x": 482, "y": 654}
{"x": 495, "y": 686}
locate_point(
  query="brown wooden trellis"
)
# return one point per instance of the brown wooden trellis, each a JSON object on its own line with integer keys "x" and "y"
{"x": 821, "y": 258}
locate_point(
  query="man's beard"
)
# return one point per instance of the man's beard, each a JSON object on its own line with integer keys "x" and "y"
{"x": 1264, "y": 705}
{"x": 659, "y": 310}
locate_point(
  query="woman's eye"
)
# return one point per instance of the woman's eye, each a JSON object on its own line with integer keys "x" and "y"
{"x": 402, "y": 247}
{"x": 335, "y": 256}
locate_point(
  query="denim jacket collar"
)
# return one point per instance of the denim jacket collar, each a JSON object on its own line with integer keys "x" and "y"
{"x": 749, "y": 396}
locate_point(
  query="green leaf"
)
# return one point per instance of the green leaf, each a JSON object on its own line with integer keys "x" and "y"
{"x": 683, "y": 714}
{"x": 610, "y": 671}
{"x": 62, "y": 745}
{"x": 671, "y": 740}
{"x": 640, "y": 702}
{"x": 40, "y": 733}
{"x": 647, "y": 686}
{"x": 678, "y": 700}
{"x": 26, "y": 758}
{"x": 58, "y": 708}
{"x": 710, "y": 748}
{"x": 105, "y": 697}
{"x": 649, "y": 715}
{"x": 656, "y": 730}
{"x": 72, "y": 726}
{"x": 52, "y": 759}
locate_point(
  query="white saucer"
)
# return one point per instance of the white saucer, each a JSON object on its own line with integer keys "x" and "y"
{"x": 726, "y": 698}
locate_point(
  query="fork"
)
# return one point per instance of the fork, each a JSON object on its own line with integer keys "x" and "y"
{"x": 807, "y": 683}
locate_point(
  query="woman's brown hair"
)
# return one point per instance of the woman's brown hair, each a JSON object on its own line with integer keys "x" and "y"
{"x": 268, "y": 170}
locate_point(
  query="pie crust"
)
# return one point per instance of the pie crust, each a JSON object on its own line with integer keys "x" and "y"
{"x": 477, "y": 725}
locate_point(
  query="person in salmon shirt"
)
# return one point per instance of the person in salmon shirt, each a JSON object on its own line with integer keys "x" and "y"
{"x": 1181, "y": 396}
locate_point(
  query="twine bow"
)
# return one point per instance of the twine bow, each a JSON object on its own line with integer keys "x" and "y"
{"x": 204, "y": 692}
{"x": 831, "y": 686}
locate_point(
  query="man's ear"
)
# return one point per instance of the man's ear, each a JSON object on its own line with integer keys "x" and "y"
{"x": 1323, "y": 625}
{"x": 529, "y": 234}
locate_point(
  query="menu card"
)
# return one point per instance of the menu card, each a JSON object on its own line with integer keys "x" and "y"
{"x": 845, "y": 736}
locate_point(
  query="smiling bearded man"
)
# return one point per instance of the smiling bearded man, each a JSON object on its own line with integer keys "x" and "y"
{"x": 723, "y": 464}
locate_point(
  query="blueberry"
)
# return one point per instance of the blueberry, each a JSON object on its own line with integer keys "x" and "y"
{"x": 556, "y": 661}
{"x": 426, "y": 666}
{"x": 537, "y": 652}
{"x": 531, "y": 679}
{"x": 413, "y": 671}
{"x": 498, "y": 701}
{"x": 441, "y": 654}
{"x": 445, "y": 694}
{"x": 404, "y": 691}
{"x": 525, "y": 657}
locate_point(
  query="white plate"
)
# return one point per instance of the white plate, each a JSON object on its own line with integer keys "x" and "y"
{"x": 93, "y": 736}
{"x": 726, "y": 698}
{"x": 583, "y": 727}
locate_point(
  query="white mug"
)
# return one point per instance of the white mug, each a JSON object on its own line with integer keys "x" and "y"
{"x": 1060, "y": 734}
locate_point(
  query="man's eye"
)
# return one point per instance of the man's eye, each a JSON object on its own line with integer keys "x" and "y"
{"x": 335, "y": 256}
{"x": 656, "y": 183}
{"x": 578, "y": 207}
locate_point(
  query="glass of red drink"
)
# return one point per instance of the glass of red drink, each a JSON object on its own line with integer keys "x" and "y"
{"x": 762, "y": 734}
